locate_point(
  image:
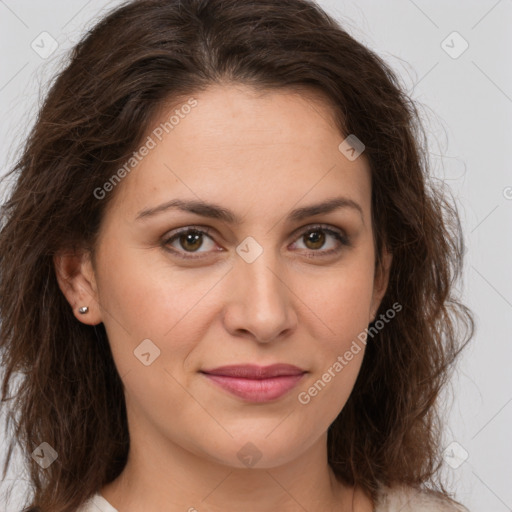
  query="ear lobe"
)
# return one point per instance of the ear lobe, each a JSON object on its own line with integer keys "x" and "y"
{"x": 76, "y": 279}
{"x": 381, "y": 281}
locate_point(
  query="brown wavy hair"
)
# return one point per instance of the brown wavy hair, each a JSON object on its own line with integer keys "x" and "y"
{"x": 97, "y": 111}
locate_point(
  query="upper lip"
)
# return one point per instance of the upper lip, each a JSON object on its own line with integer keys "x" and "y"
{"x": 251, "y": 371}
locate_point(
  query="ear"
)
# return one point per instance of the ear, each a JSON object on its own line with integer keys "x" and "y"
{"x": 380, "y": 283}
{"x": 76, "y": 277}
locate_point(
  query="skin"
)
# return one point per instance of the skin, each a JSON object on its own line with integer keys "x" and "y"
{"x": 260, "y": 155}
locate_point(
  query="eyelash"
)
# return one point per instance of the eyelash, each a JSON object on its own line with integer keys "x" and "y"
{"x": 339, "y": 235}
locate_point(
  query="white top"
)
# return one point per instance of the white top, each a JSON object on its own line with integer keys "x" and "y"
{"x": 97, "y": 504}
{"x": 400, "y": 499}
{"x": 407, "y": 499}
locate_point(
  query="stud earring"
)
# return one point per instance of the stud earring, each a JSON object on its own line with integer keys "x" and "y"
{"x": 83, "y": 310}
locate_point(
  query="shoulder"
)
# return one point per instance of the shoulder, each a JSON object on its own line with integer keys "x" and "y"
{"x": 409, "y": 499}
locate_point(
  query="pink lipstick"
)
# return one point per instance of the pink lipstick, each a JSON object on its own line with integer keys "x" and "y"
{"x": 256, "y": 383}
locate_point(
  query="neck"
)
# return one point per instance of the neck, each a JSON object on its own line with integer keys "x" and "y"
{"x": 164, "y": 476}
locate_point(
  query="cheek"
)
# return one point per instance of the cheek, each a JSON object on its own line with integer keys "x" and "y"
{"x": 135, "y": 299}
{"x": 341, "y": 301}
{"x": 342, "y": 305}
{"x": 339, "y": 351}
{"x": 139, "y": 290}
{"x": 142, "y": 298}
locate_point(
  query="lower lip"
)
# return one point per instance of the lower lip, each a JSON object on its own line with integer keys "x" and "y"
{"x": 257, "y": 390}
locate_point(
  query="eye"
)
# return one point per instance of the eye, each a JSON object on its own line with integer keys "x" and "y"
{"x": 316, "y": 237}
{"x": 190, "y": 239}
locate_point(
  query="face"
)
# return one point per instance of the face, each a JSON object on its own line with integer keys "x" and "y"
{"x": 182, "y": 292}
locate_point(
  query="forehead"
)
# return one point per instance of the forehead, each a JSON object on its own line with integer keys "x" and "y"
{"x": 245, "y": 147}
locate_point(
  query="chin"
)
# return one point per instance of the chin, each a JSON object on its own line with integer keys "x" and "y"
{"x": 259, "y": 450}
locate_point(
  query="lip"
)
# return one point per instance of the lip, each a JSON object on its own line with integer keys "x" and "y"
{"x": 256, "y": 383}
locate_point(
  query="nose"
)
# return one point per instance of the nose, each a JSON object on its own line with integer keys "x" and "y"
{"x": 260, "y": 303}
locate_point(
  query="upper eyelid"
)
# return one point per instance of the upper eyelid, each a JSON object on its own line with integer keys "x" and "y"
{"x": 319, "y": 225}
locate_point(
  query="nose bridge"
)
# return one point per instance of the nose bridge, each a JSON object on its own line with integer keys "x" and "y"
{"x": 260, "y": 275}
{"x": 261, "y": 296}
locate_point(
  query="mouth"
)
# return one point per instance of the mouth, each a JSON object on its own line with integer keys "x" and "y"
{"x": 256, "y": 383}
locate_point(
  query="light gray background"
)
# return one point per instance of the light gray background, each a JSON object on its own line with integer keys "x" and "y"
{"x": 467, "y": 107}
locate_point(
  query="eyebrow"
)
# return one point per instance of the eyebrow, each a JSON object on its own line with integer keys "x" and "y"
{"x": 214, "y": 211}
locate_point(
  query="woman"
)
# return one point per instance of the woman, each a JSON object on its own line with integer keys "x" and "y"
{"x": 226, "y": 279}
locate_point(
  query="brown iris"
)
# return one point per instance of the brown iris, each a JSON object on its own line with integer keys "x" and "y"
{"x": 192, "y": 237}
{"x": 316, "y": 237}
